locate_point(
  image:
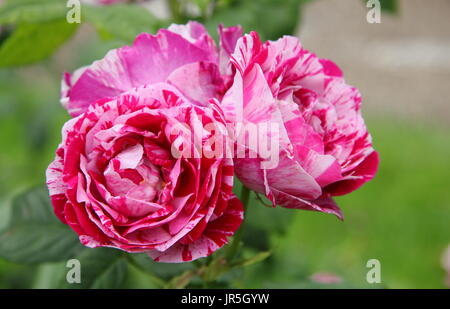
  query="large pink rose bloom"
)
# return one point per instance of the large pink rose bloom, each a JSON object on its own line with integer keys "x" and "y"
{"x": 115, "y": 180}
{"x": 325, "y": 149}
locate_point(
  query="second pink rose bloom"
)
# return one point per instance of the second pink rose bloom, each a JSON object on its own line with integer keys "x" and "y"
{"x": 324, "y": 146}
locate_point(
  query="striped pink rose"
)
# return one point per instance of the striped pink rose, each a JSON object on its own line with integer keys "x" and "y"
{"x": 115, "y": 181}
{"x": 325, "y": 148}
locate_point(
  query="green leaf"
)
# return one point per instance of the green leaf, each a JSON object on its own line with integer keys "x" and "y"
{"x": 101, "y": 268}
{"x": 139, "y": 279}
{"x": 30, "y": 43}
{"x": 121, "y": 21}
{"x": 5, "y": 213}
{"x": 273, "y": 219}
{"x": 33, "y": 234}
{"x": 47, "y": 276}
{"x": 263, "y": 222}
{"x": 162, "y": 270}
{"x": 32, "y": 11}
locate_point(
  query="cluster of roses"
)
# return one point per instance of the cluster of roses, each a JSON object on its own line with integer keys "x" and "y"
{"x": 115, "y": 181}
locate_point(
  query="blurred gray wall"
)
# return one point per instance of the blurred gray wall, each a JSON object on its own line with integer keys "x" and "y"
{"x": 401, "y": 66}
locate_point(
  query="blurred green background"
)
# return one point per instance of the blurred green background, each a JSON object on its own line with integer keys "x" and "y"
{"x": 400, "y": 218}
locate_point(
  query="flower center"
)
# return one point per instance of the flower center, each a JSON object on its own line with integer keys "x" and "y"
{"x": 131, "y": 174}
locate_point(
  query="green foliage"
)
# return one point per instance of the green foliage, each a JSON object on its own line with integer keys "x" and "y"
{"x": 164, "y": 271}
{"x": 32, "y": 11}
{"x": 30, "y": 43}
{"x": 40, "y": 27}
{"x": 33, "y": 234}
{"x": 139, "y": 279}
{"x": 264, "y": 220}
{"x": 121, "y": 21}
{"x": 271, "y": 18}
{"x": 101, "y": 268}
{"x": 400, "y": 218}
{"x": 181, "y": 281}
{"x": 390, "y": 6}
{"x": 202, "y": 4}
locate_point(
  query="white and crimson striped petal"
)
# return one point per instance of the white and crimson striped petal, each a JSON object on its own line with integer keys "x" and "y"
{"x": 115, "y": 181}
{"x": 325, "y": 149}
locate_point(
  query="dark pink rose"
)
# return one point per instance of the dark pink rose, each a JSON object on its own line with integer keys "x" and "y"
{"x": 116, "y": 180}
